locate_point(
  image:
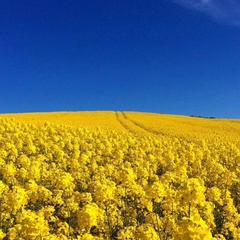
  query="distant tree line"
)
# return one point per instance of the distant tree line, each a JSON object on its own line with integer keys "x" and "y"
{"x": 202, "y": 117}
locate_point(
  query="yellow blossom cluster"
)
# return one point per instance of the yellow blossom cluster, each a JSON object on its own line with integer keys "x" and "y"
{"x": 136, "y": 176}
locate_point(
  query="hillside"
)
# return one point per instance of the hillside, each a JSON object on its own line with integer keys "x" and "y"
{"x": 137, "y": 122}
{"x": 118, "y": 175}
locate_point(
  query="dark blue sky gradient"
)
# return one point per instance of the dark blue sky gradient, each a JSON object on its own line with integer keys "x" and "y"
{"x": 153, "y": 56}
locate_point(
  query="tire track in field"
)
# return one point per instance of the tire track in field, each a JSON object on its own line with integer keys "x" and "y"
{"x": 156, "y": 133}
{"x": 130, "y": 126}
{"x": 120, "y": 120}
{"x": 152, "y": 133}
{"x": 145, "y": 131}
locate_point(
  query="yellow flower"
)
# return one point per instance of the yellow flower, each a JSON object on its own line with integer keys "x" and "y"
{"x": 127, "y": 233}
{"x": 3, "y": 153}
{"x": 193, "y": 228}
{"x": 9, "y": 170}
{"x": 146, "y": 232}
{"x": 32, "y": 190}
{"x": 90, "y": 215}
{"x": 2, "y": 234}
{"x": 214, "y": 195}
{"x": 192, "y": 192}
{"x": 65, "y": 182}
{"x": 16, "y": 199}
{"x": 156, "y": 191}
{"x": 103, "y": 191}
{"x": 3, "y": 187}
{"x": 33, "y": 224}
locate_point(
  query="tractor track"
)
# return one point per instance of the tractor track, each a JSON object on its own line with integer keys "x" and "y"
{"x": 131, "y": 126}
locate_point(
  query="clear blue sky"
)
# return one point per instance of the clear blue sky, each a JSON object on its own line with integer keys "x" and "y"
{"x": 165, "y": 56}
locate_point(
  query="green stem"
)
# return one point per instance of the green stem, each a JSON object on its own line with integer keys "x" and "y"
{"x": 189, "y": 210}
{"x": 158, "y": 227}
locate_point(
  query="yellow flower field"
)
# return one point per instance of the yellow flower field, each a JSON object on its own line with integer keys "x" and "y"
{"x": 119, "y": 175}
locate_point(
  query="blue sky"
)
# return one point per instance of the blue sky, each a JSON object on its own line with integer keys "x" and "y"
{"x": 164, "y": 56}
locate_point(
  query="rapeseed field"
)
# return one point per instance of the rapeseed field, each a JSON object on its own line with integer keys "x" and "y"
{"x": 119, "y": 175}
